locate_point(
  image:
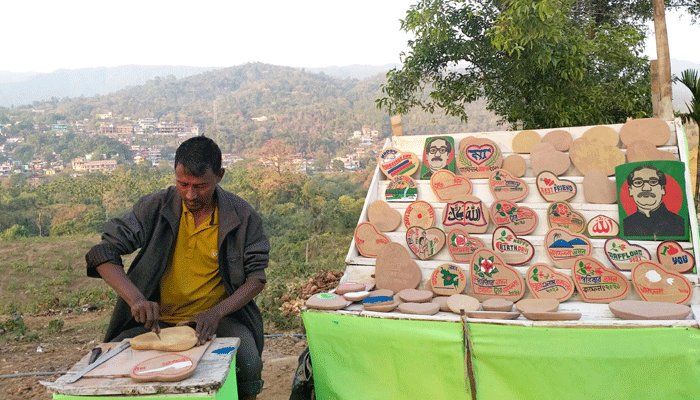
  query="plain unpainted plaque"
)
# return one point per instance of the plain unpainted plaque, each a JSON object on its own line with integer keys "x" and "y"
{"x": 560, "y": 214}
{"x": 442, "y": 302}
{"x": 491, "y": 277}
{"x": 590, "y": 156}
{"x": 553, "y": 188}
{"x": 415, "y": 295}
{"x": 513, "y": 250}
{"x": 461, "y": 245}
{"x": 597, "y": 283}
{"x": 652, "y": 130}
{"x": 672, "y": 256}
{"x": 641, "y": 150}
{"x": 524, "y": 141}
{"x": 497, "y": 304}
{"x": 515, "y": 164}
{"x": 559, "y": 138}
{"x": 369, "y": 240}
{"x": 598, "y": 189}
{"x": 505, "y": 186}
{"x": 652, "y": 282}
{"x": 624, "y": 255}
{"x": 648, "y": 310}
{"x": 602, "y": 227}
{"x": 449, "y": 187}
{"x": 602, "y": 135}
{"x": 564, "y": 247}
{"x": 544, "y": 157}
{"x": 383, "y": 217}
{"x": 545, "y": 282}
{"x": 537, "y": 305}
{"x": 478, "y": 157}
{"x": 425, "y": 243}
{"x": 553, "y": 316}
{"x": 462, "y": 302}
{"x": 349, "y": 287}
{"x": 419, "y": 308}
{"x": 327, "y": 301}
{"x": 382, "y": 292}
{"x": 177, "y": 338}
{"x": 395, "y": 270}
{"x": 493, "y": 314}
{"x": 419, "y": 213}
{"x": 520, "y": 219}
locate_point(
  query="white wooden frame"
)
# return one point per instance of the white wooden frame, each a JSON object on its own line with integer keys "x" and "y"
{"x": 359, "y": 268}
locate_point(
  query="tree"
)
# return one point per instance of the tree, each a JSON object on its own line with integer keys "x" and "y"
{"x": 541, "y": 63}
{"x": 691, "y": 80}
{"x": 277, "y": 154}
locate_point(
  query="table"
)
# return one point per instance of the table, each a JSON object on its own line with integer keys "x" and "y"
{"x": 214, "y": 378}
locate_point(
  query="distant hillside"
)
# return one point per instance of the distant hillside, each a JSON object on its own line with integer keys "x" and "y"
{"x": 244, "y": 106}
{"x": 25, "y": 88}
{"x": 354, "y": 71}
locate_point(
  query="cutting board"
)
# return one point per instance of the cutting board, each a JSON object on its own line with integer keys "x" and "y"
{"x": 122, "y": 364}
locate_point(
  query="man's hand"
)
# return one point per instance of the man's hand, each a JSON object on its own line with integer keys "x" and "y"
{"x": 207, "y": 323}
{"x": 146, "y": 312}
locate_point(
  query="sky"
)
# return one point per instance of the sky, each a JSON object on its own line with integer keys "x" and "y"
{"x": 45, "y": 35}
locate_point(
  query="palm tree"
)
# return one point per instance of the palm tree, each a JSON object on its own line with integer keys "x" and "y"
{"x": 691, "y": 80}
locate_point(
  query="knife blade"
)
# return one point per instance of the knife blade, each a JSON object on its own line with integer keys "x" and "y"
{"x": 104, "y": 357}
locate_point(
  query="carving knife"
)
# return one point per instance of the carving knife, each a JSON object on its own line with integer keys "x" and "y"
{"x": 104, "y": 357}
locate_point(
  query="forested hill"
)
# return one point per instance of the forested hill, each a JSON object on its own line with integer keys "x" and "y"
{"x": 245, "y": 105}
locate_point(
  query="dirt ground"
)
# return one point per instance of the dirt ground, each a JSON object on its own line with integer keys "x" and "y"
{"x": 80, "y": 332}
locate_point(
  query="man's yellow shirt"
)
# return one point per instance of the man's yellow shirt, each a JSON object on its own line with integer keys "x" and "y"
{"x": 191, "y": 283}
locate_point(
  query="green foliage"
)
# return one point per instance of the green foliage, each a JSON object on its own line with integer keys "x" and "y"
{"x": 55, "y": 325}
{"x": 541, "y": 63}
{"x": 691, "y": 79}
{"x": 13, "y": 327}
{"x": 14, "y": 232}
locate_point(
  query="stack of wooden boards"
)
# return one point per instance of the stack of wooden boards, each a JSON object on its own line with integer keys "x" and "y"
{"x": 555, "y": 183}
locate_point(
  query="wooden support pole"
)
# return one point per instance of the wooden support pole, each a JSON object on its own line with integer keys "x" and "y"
{"x": 396, "y": 127}
{"x": 664, "y": 61}
{"x": 655, "y": 95}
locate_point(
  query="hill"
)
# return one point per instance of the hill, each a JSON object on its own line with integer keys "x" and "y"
{"x": 25, "y": 88}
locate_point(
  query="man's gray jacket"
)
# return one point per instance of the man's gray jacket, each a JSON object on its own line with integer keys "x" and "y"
{"x": 152, "y": 226}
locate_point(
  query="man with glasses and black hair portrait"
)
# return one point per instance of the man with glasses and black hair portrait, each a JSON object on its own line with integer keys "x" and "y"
{"x": 202, "y": 261}
{"x": 647, "y": 187}
{"x": 438, "y": 154}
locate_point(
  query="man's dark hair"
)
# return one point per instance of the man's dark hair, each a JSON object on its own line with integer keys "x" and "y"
{"x": 198, "y": 154}
{"x": 661, "y": 175}
{"x": 447, "y": 143}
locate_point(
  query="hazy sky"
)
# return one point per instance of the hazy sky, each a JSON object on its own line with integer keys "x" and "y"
{"x": 47, "y": 35}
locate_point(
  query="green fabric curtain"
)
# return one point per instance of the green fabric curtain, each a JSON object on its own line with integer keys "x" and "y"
{"x": 373, "y": 358}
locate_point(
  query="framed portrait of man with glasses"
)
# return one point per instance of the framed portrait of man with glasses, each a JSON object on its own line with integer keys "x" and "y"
{"x": 438, "y": 153}
{"x": 651, "y": 200}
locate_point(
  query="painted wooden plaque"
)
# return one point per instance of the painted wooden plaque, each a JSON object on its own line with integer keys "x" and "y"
{"x": 419, "y": 213}
{"x": 504, "y": 186}
{"x": 522, "y": 220}
{"x": 491, "y": 277}
{"x": 672, "y": 256}
{"x": 596, "y": 283}
{"x": 395, "y": 270}
{"x": 651, "y": 200}
{"x": 327, "y": 301}
{"x": 369, "y": 240}
{"x": 382, "y": 216}
{"x": 546, "y": 283}
{"x": 552, "y": 188}
{"x": 470, "y": 215}
{"x": 478, "y": 157}
{"x": 448, "y": 279}
{"x": 512, "y": 249}
{"x": 653, "y": 282}
{"x": 625, "y": 255}
{"x": 561, "y": 215}
{"x": 462, "y": 246}
{"x": 564, "y": 247}
{"x": 438, "y": 154}
{"x": 169, "y": 367}
{"x": 449, "y": 187}
{"x": 394, "y": 162}
{"x": 602, "y": 226}
{"x": 401, "y": 188}
{"x": 425, "y": 243}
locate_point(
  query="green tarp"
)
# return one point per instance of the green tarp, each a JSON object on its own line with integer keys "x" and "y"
{"x": 372, "y": 358}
